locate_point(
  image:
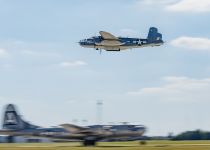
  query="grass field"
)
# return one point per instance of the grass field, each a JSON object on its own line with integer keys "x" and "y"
{"x": 151, "y": 145}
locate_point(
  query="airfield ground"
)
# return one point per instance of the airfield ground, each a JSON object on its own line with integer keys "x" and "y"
{"x": 151, "y": 145}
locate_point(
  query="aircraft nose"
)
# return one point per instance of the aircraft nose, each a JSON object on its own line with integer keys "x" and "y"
{"x": 82, "y": 42}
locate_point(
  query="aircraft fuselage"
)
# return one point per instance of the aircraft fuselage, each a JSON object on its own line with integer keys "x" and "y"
{"x": 121, "y": 44}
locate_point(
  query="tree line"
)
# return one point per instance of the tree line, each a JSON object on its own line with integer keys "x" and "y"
{"x": 193, "y": 135}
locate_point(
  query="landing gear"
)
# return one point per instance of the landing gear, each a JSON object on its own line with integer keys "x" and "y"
{"x": 143, "y": 142}
{"x": 99, "y": 49}
{"x": 89, "y": 142}
{"x": 10, "y": 139}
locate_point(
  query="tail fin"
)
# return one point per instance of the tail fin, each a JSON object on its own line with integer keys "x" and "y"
{"x": 14, "y": 121}
{"x": 153, "y": 35}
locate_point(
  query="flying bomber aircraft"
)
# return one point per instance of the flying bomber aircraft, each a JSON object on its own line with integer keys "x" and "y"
{"x": 109, "y": 42}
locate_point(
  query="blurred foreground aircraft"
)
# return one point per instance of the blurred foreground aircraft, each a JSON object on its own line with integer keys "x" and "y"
{"x": 109, "y": 42}
{"x": 14, "y": 125}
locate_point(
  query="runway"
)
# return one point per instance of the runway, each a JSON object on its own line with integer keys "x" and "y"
{"x": 150, "y": 145}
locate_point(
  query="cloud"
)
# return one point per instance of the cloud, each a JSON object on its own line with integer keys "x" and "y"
{"x": 128, "y": 32}
{"x": 40, "y": 54}
{"x": 156, "y": 2}
{"x": 6, "y": 66}
{"x": 71, "y": 101}
{"x": 70, "y": 64}
{"x": 182, "y": 89}
{"x": 152, "y": 4}
{"x": 3, "y": 53}
{"x": 18, "y": 49}
{"x": 192, "y": 43}
{"x": 196, "y": 6}
{"x": 190, "y": 6}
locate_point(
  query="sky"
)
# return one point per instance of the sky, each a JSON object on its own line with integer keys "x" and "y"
{"x": 53, "y": 80}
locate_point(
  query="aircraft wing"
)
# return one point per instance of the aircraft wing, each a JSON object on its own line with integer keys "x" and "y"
{"x": 78, "y": 130}
{"x": 107, "y": 36}
{"x": 73, "y": 128}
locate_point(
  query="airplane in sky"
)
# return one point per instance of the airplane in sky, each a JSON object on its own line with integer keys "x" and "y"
{"x": 14, "y": 125}
{"x": 109, "y": 42}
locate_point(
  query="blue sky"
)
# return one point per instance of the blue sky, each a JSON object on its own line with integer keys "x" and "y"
{"x": 53, "y": 80}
